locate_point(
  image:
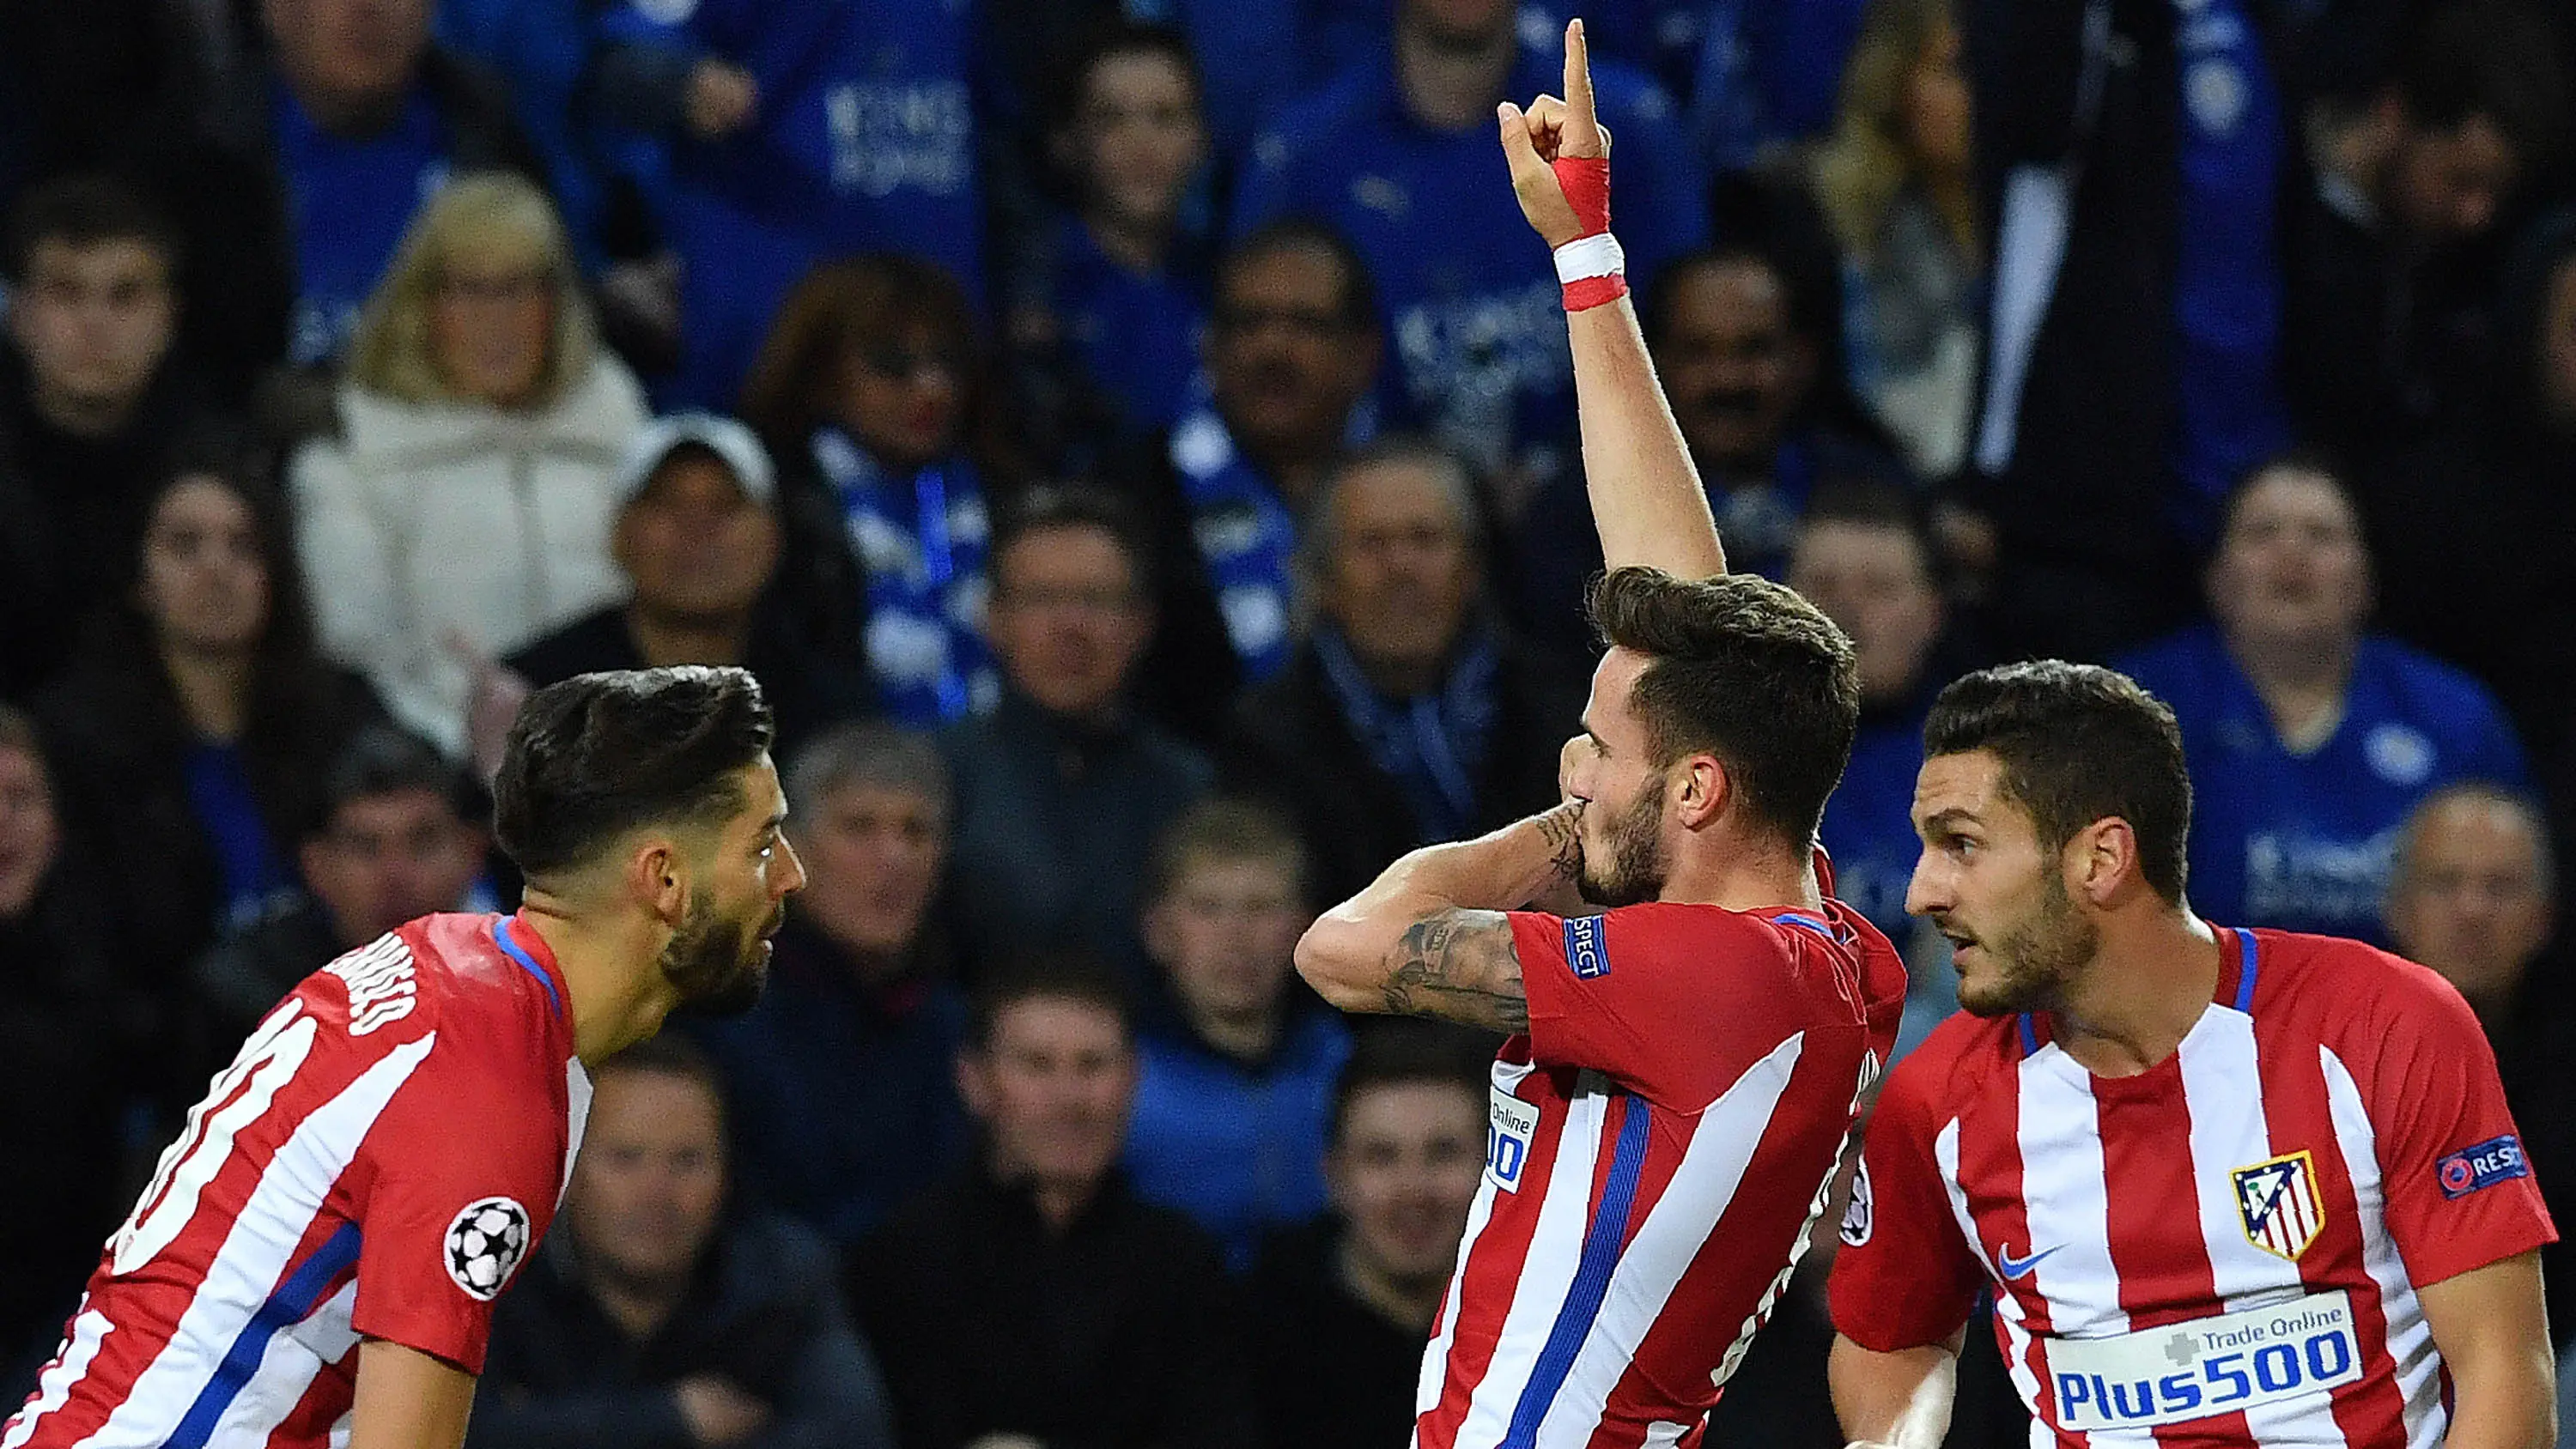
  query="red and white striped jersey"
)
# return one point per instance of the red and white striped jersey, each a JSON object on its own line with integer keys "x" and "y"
{"x": 384, "y": 1152}
{"x": 2223, "y": 1250}
{"x": 1660, "y": 1142}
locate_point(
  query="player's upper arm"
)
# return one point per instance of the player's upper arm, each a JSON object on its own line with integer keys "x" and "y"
{"x": 2457, "y": 1184}
{"x": 1674, "y": 1002}
{"x": 2493, "y": 1332}
{"x": 463, "y": 1170}
{"x": 406, "y": 1399}
{"x": 1904, "y": 1278}
{"x": 1455, "y": 964}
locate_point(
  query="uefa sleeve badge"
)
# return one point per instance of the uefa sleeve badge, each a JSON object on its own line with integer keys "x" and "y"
{"x": 485, "y": 1244}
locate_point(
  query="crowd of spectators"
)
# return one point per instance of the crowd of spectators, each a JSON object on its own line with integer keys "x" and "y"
{"x": 1133, "y": 443}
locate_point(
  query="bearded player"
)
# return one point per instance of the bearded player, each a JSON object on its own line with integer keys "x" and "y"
{"x": 1684, "y": 1064}
{"x": 315, "y": 1260}
{"x": 2227, "y": 1187}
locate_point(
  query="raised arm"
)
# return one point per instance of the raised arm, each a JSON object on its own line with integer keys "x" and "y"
{"x": 1429, "y": 938}
{"x": 1646, "y": 496}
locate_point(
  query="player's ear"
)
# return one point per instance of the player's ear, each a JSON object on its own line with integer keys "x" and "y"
{"x": 1701, "y": 789}
{"x": 657, "y": 880}
{"x": 2102, "y": 862}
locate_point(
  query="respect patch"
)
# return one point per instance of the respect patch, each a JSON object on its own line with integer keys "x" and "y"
{"x": 1585, "y": 951}
{"x": 2471, "y": 1169}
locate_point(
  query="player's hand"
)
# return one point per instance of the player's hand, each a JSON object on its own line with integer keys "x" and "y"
{"x": 1534, "y": 139}
{"x": 716, "y": 1411}
{"x": 720, "y": 99}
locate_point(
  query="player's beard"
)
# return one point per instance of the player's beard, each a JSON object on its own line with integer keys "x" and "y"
{"x": 1635, "y": 867}
{"x": 719, "y": 965}
{"x": 2035, "y": 959}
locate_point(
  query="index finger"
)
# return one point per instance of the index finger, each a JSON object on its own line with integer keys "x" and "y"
{"x": 1583, "y": 125}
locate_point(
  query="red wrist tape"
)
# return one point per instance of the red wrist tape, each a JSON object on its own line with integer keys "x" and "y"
{"x": 1595, "y": 292}
{"x": 1586, "y": 182}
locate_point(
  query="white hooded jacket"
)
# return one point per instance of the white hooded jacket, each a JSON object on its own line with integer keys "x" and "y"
{"x": 419, "y": 524}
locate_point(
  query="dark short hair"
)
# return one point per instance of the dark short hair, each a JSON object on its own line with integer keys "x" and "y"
{"x": 1062, "y": 974}
{"x": 1357, "y": 304}
{"x": 1399, "y": 1051}
{"x": 1745, "y": 670}
{"x": 2078, "y": 743}
{"x": 1224, "y": 830}
{"x": 1051, "y": 507}
{"x": 385, "y": 759}
{"x": 2304, "y": 462}
{"x": 599, "y": 755}
{"x": 86, "y": 210}
{"x": 1118, "y": 38}
{"x": 1418, "y": 451}
{"x": 1855, "y": 501}
{"x": 1655, "y": 309}
{"x": 669, "y": 1054}
{"x": 2494, "y": 58}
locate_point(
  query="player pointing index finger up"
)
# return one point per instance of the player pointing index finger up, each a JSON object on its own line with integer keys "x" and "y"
{"x": 1686, "y": 1058}
{"x": 1646, "y": 495}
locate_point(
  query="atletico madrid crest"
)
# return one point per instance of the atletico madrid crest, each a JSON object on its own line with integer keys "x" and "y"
{"x": 2279, "y": 1204}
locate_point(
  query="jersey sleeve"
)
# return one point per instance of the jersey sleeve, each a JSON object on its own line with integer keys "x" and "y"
{"x": 463, "y": 1172}
{"x": 1903, "y": 1277}
{"x": 2458, "y": 1186}
{"x": 1671, "y": 1001}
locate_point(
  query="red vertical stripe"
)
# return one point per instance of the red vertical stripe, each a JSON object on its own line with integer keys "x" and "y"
{"x": 2299, "y": 1115}
{"x": 2154, "y": 1216}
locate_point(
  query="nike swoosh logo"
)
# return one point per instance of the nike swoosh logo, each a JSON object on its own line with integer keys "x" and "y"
{"x": 2017, "y": 1268}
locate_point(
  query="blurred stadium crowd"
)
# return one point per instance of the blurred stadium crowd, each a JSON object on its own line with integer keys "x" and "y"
{"x": 1133, "y": 444}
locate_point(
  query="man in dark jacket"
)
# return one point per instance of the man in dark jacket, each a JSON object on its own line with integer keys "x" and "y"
{"x": 1035, "y": 1296}
{"x": 697, "y": 536}
{"x": 399, "y": 840}
{"x": 1408, "y": 716}
{"x": 654, "y": 1319}
{"x": 1062, "y": 789}
{"x": 90, "y": 405}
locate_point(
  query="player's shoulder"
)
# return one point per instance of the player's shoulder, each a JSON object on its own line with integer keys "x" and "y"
{"x": 2348, "y": 990}
{"x": 1963, "y": 1058}
{"x": 444, "y": 973}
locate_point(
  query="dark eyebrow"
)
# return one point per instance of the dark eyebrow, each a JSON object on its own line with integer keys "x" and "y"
{"x": 1947, "y": 819}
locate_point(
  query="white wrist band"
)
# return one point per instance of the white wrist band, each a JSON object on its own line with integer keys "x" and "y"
{"x": 1587, "y": 257}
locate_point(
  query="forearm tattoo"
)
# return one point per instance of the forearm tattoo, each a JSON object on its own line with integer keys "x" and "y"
{"x": 1558, "y": 827}
{"x": 1459, "y": 966}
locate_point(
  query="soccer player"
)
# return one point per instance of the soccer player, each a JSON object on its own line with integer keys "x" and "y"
{"x": 2228, "y": 1187}
{"x": 1683, "y": 1069}
{"x": 316, "y": 1258}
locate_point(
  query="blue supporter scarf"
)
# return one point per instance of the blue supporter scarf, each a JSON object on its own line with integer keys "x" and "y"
{"x": 1247, "y": 538}
{"x": 1432, "y": 745}
{"x": 922, "y": 543}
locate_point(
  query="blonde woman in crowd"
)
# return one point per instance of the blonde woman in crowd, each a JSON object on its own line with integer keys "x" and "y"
{"x": 1896, "y": 185}
{"x": 463, "y": 504}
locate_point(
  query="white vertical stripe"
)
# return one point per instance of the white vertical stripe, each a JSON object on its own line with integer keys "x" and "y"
{"x": 1434, "y": 1378}
{"x": 1663, "y": 1434}
{"x": 256, "y": 1249}
{"x": 2059, "y": 1132}
{"x": 576, "y": 1119}
{"x": 2016, "y": 1352}
{"x": 2222, "y": 1085}
{"x": 54, "y": 1388}
{"x": 1676, "y": 1228}
{"x": 2410, "y": 1337}
{"x": 1556, "y": 1247}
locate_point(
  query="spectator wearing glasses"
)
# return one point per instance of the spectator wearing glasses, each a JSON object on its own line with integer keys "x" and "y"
{"x": 864, "y": 392}
{"x": 461, "y": 508}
